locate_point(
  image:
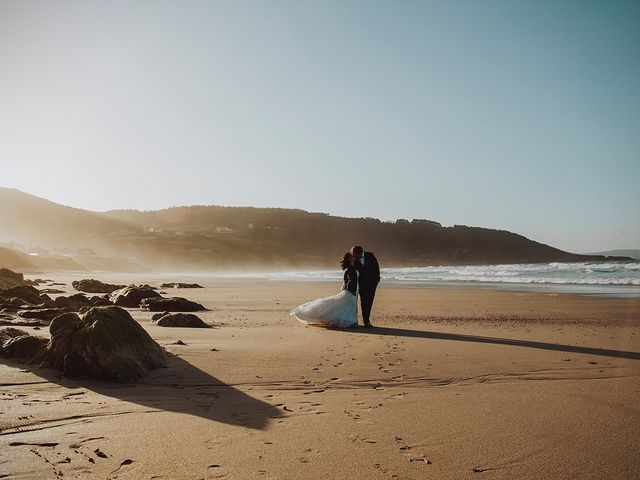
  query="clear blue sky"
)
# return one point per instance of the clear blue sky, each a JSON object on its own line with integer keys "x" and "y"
{"x": 522, "y": 115}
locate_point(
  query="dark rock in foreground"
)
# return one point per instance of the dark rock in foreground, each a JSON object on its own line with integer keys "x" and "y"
{"x": 106, "y": 343}
{"x": 188, "y": 320}
{"x": 131, "y": 296}
{"x": 172, "y": 304}
{"x": 180, "y": 285}
{"x": 89, "y": 285}
{"x": 20, "y": 344}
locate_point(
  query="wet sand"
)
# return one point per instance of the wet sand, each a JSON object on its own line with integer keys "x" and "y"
{"x": 451, "y": 384}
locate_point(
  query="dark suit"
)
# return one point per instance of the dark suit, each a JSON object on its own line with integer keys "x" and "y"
{"x": 368, "y": 281}
{"x": 350, "y": 280}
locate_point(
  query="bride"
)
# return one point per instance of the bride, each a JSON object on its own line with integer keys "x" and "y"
{"x": 339, "y": 310}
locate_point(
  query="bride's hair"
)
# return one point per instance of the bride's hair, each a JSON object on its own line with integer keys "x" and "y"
{"x": 346, "y": 260}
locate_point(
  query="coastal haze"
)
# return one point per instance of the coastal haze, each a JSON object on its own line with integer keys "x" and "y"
{"x": 177, "y": 177}
{"x": 37, "y": 232}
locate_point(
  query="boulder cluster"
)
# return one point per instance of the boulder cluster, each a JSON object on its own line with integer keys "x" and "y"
{"x": 90, "y": 335}
{"x": 105, "y": 343}
{"x": 22, "y": 304}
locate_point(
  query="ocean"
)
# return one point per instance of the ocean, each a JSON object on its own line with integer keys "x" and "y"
{"x": 594, "y": 278}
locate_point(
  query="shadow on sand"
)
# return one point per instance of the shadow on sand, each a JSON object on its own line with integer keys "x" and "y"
{"x": 404, "y": 332}
{"x": 178, "y": 387}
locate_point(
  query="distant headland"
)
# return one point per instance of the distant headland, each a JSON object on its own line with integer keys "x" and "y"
{"x": 40, "y": 234}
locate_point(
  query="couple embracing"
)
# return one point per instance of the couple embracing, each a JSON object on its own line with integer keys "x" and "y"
{"x": 361, "y": 277}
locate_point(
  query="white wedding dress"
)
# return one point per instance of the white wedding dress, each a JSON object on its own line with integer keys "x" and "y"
{"x": 340, "y": 311}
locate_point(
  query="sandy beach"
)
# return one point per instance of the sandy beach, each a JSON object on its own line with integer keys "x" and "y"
{"x": 451, "y": 384}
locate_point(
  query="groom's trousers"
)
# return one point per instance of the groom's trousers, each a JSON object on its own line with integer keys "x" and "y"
{"x": 366, "y": 302}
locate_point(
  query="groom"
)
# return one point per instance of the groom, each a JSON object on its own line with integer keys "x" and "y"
{"x": 368, "y": 279}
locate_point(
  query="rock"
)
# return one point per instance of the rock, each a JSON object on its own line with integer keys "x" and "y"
{"x": 22, "y": 322}
{"x": 172, "y": 304}
{"x": 89, "y": 285}
{"x": 20, "y": 344}
{"x": 106, "y": 343}
{"x": 9, "y": 278}
{"x": 188, "y": 320}
{"x": 100, "y": 301}
{"x": 180, "y": 285}
{"x": 65, "y": 321}
{"x": 157, "y": 316}
{"x": 26, "y": 293}
{"x": 46, "y": 300}
{"x": 8, "y": 333}
{"x": 132, "y": 295}
{"x": 73, "y": 302}
{"x": 46, "y": 314}
{"x": 177, "y": 342}
{"x": 16, "y": 303}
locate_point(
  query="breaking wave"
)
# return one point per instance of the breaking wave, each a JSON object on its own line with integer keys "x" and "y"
{"x": 586, "y": 273}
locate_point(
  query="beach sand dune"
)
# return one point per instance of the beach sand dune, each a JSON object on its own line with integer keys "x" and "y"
{"x": 452, "y": 384}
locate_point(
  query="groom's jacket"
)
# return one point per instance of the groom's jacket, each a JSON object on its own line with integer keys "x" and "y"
{"x": 369, "y": 272}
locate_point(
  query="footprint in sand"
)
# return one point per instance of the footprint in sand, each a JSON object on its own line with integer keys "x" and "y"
{"x": 386, "y": 470}
{"x": 397, "y": 396}
{"x": 406, "y": 451}
{"x": 100, "y": 453}
{"x": 321, "y": 390}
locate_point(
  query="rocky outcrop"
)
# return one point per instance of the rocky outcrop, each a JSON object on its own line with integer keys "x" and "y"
{"x": 132, "y": 295}
{"x": 21, "y": 322}
{"x": 78, "y": 301}
{"x": 188, "y": 320}
{"x": 17, "y": 312}
{"x": 89, "y": 285}
{"x": 45, "y": 314}
{"x": 20, "y": 344}
{"x": 105, "y": 343}
{"x": 180, "y": 285}
{"x": 9, "y": 278}
{"x": 27, "y": 294}
{"x": 171, "y": 304}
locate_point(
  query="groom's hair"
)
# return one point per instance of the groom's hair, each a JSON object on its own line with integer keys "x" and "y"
{"x": 357, "y": 250}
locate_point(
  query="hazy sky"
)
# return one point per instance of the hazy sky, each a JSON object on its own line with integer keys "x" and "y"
{"x": 522, "y": 115}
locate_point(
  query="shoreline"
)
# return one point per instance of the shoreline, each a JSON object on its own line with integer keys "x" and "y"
{"x": 604, "y": 291}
